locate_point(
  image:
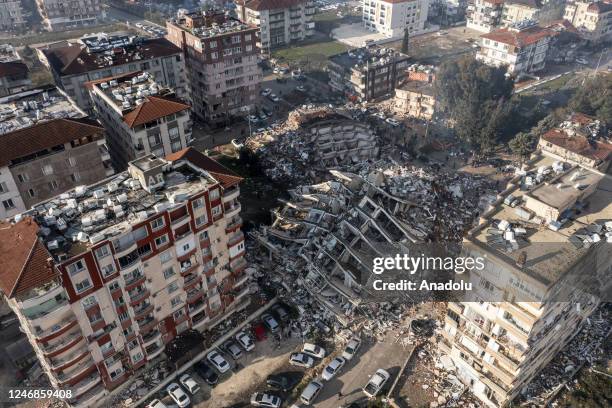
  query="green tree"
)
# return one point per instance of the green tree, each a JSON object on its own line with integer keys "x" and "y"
{"x": 522, "y": 144}
{"x": 405, "y": 41}
{"x": 476, "y": 98}
{"x": 595, "y": 98}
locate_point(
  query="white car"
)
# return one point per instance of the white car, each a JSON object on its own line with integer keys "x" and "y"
{"x": 156, "y": 404}
{"x": 376, "y": 383}
{"x": 313, "y": 350}
{"x": 245, "y": 341}
{"x": 139, "y": 25}
{"x": 178, "y": 395}
{"x": 261, "y": 399}
{"x": 218, "y": 361}
{"x": 393, "y": 122}
{"x": 333, "y": 368}
{"x": 301, "y": 360}
{"x": 266, "y": 92}
{"x": 252, "y": 118}
{"x": 582, "y": 61}
{"x": 351, "y": 348}
{"x": 301, "y": 88}
{"x": 189, "y": 383}
{"x": 273, "y": 98}
{"x": 310, "y": 392}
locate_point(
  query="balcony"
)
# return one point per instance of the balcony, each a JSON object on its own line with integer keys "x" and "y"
{"x": 235, "y": 239}
{"x": 499, "y": 372}
{"x": 89, "y": 398}
{"x": 245, "y": 291}
{"x": 142, "y": 311}
{"x": 519, "y": 313}
{"x": 232, "y": 210}
{"x": 238, "y": 265}
{"x": 188, "y": 267}
{"x": 199, "y": 320}
{"x": 134, "y": 281}
{"x": 190, "y": 280}
{"x": 196, "y": 307}
{"x": 456, "y": 307}
{"x": 57, "y": 329}
{"x": 241, "y": 281}
{"x": 153, "y": 351}
{"x": 151, "y": 337}
{"x": 77, "y": 369}
{"x": 147, "y": 324}
{"x": 124, "y": 249}
{"x": 41, "y": 295}
{"x": 232, "y": 225}
{"x": 194, "y": 294}
{"x": 106, "y": 329}
{"x": 512, "y": 326}
{"x": 230, "y": 194}
{"x": 139, "y": 297}
{"x": 205, "y": 243}
{"x": 86, "y": 384}
{"x": 62, "y": 345}
{"x": 62, "y": 363}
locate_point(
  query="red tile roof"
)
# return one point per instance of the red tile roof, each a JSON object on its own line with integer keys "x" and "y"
{"x": 222, "y": 174}
{"x": 519, "y": 38}
{"x": 600, "y": 7}
{"x": 259, "y": 5}
{"x": 581, "y": 118}
{"x": 153, "y": 107}
{"x": 579, "y": 144}
{"x": 562, "y": 25}
{"x": 23, "y": 142}
{"x": 13, "y": 68}
{"x": 24, "y": 263}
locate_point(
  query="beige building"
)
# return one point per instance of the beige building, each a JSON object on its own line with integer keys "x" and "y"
{"x": 138, "y": 259}
{"x": 544, "y": 12}
{"x": 416, "y": 96}
{"x": 64, "y": 14}
{"x": 140, "y": 117}
{"x": 221, "y": 60}
{"x": 47, "y": 146}
{"x": 11, "y": 15}
{"x": 14, "y": 73}
{"x": 484, "y": 15}
{"x": 90, "y": 58}
{"x": 592, "y": 19}
{"x": 393, "y": 17}
{"x": 280, "y": 22}
{"x": 529, "y": 300}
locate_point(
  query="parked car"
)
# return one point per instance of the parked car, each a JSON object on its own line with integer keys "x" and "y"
{"x": 218, "y": 361}
{"x": 252, "y": 118}
{"x": 351, "y": 348}
{"x": 156, "y": 404}
{"x": 284, "y": 381}
{"x": 313, "y": 350}
{"x": 301, "y": 88}
{"x": 273, "y": 98}
{"x": 301, "y": 360}
{"x": 376, "y": 383}
{"x": 178, "y": 395}
{"x": 206, "y": 372}
{"x": 281, "y": 313}
{"x": 245, "y": 341}
{"x": 311, "y": 391}
{"x": 266, "y": 92}
{"x": 582, "y": 61}
{"x": 233, "y": 349}
{"x": 270, "y": 322}
{"x": 189, "y": 384}
{"x": 333, "y": 368}
{"x": 262, "y": 399}
{"x": 276, "y": 70}
{"x": 392, "y": 121}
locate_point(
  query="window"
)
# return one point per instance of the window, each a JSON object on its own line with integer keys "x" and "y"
{"x": 173, "y": 287}
{"x": 8, "y": 204}
{"x": 247, "y": 37}
{"x": 186, "y": 247}
{"x": 155, "y": 139}
{"x": 174, "y": 132}
{"x": 95, "y": 317}
{"x": 113, "y": 286}
{"x": 216, "y": 211}
{"x": 76, "y": 267}
{"x": 157, "y": 223}
{"x": 140, "y": 233}
{"x": 123, "y": 316}
{"x": 89, "y": 301}
{"x": 31, "y": 192}
{"x": 176, "y": 146}
{"x": 198, "y": 203}
{"x": 23, "y": 178}
{"x": 137, "y": 357}
{"x": 203, "y": 236}
{"x": 102, "y": 252}
{"x": 82, "y": 285}
{"x": 47, "y": 169}
{"x": 168, "y": 272}
{"x": 145, "y": 249}
{"x": 175, "y": 301}
{"x": 214, "y": 194}
{"x": 214, "y": 55}
{"x": 3, "y": 188}
{"x": 212, "y": 44}
{"x": 161, "y": 241}
{"x": 178, "y": 314}
{"x": 52, "y": 185}
{"x": 108, "y": 270}
{"x": 201, "y": 220}
{"x": 165, "y": 256}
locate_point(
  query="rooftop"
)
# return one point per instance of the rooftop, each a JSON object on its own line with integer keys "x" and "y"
{"x": 209, "y": 23}
{"x": 423, "y": 87}
{"x": 550, "y": 249}
{"x": 579, "y": 144}
{"x": 103, "y": 50}
{"x": 138, "y": 97}
{"x": 369, "y": 58}
{"x": 28, "y": 108}
{"x": 519, "y": 37}
{"x": 8, "y": 53}
{"x": 77, "y": 219}
{"x": 269, "y": 4}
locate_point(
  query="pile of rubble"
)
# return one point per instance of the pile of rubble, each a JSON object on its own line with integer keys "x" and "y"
{"x": 144, "y": 381}
{"x": 584, "y": 349}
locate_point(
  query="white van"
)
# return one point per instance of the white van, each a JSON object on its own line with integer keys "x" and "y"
{"x": 310, "y": 392}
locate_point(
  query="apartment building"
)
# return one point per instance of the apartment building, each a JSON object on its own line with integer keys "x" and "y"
{"x": 104, "y": 55}
{"x": 532, "y": 296}
{"x": 140, "y": 116}
{"x": 392, "y": 17}
{"x": 416, "y": 96}
{"x": 484, "y": 15}
{"x": 11, "y": 15}
{"x": 365, "y": 74}
{"x": 62, "y": 14}
{"x": 522, "y": 48}
{"x": 104, "y": 276}
{"x": 592, "y": 19}
{"x": 280, "y": 22}
{"x": 221, "y": 61}
{"x": 516, "y": 11}
{"x": 14, "y": 73}
{"x": 47, "y": 146}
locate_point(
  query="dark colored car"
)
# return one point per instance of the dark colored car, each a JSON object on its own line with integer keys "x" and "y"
{"x": 284, "y": 381}
{"x": 206, "y": 372}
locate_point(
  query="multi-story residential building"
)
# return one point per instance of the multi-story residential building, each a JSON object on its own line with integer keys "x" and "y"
{"x": 522, "y": 48}
{"x": 365, "y": 74}
{"x": 528, "y": 301}
{"x": 516, "y": 11}
{"x": 61, "y": 14}
{"x": 103, "y": 55}
{"x": 484, "y": 15}
{"x": 416, "y": 96}
{"x": 11, "y": 15}
{"x": 280, "y": 22}
{"x": 47, "y": 146}
{"x": 140, "y": 117}
{"x": 592, "y": 18}
{"x": 14, "y": 73}
{"x": 221, "y": 63}
{"x": 393, "y": 17}
{"x": 104, "y": 276}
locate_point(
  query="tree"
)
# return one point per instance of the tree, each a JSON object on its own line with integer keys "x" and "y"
{"x": 405, "y": 41}
{"x": 595, "y": 98}
{"x": 476, "y": 98}
{"x": 522, "y": 144}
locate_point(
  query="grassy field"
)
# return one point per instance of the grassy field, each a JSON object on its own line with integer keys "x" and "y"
{"x": 310, "y": 57}
{"x": 46, "y": 37}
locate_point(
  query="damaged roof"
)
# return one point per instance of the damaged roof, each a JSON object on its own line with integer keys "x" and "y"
{"x": 24, "y": 266}
{"x": 225, "y": 176}
{"x": 521, "y": 38}
{"x": 153, "y": 107}
{"x": 579, "y": 144}
{"x": 259, "y": 5}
